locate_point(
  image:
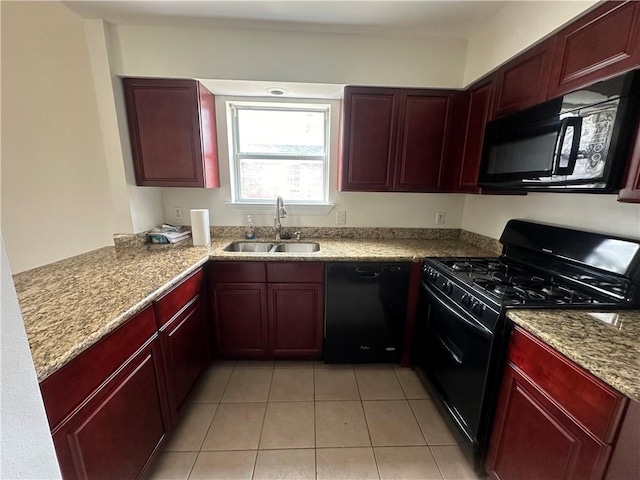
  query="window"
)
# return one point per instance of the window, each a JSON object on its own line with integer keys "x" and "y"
{"x": 279, "y": 149}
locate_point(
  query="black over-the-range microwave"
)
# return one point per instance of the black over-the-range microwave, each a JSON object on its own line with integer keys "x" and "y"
{"x": 575, "y": 143}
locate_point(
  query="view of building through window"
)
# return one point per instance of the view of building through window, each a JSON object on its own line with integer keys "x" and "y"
{"x": 280, "y": 150}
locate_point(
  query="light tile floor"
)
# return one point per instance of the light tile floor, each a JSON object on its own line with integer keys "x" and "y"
{"x": 308, "y": 420}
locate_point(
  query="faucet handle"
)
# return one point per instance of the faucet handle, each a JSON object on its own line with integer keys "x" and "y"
{"x": 297, "y": 234}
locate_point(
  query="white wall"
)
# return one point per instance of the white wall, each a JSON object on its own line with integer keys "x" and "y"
{"x": 237, "y": 54}
{"x": 516, "y": 26}
{"x": 67, "y": 174}
{"x": 26, "y": 447}
{"x": 56, "y": 201}
{"x": 488, "y": 214}
{"x": 363, "y": 209}
{"x": 137, "y": 208}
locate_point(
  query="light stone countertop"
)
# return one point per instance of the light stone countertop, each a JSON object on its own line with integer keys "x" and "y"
{"x": 69, "y": 305}
{"x": 611, "y": 352}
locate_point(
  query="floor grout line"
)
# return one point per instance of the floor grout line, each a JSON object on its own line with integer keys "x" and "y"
{"x": 193, "y": 466}
{"x": 234, "y": 368}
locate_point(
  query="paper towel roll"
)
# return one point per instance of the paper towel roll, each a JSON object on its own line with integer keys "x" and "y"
{"x": 200, "y": 226}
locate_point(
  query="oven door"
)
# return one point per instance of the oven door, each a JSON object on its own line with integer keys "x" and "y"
{"x": 455, "y": 352}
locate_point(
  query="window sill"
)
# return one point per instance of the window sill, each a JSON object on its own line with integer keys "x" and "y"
{"x": 315, "y": 209}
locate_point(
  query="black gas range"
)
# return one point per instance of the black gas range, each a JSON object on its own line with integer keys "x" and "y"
{"x": 461, "y": 331}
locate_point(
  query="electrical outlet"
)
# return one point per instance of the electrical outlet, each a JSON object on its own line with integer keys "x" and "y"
{"x": 177, "y": 213}
{"x": 439, "y": 218}
{"x": 341, "y": 217}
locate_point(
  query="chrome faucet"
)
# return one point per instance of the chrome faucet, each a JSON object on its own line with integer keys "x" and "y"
{"x": 281, "y": 213}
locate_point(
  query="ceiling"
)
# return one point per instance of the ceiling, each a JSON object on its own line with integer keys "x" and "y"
{"x": 446, "y": 19}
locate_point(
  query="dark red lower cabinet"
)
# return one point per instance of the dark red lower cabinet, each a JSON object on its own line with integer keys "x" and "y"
{"x": 240, "y": 319}
{"x": 116, "y": 431}
{"x": 296, "y": 319}
{"x": 185, "y": 351}
{"x": 555, "y": 420}
{"x": 272, "y": 310}
{"x": 534, "y": 439}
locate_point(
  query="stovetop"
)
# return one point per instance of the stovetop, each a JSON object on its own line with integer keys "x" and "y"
{"x": 505, "y": 282}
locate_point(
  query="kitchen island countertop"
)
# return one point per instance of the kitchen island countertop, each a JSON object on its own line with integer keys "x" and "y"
{"x": 607, "y": 344}
{"x": 69, "y": 305}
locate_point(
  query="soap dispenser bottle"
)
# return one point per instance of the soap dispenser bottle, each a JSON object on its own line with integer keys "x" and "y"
{"x": 249, "y": 229}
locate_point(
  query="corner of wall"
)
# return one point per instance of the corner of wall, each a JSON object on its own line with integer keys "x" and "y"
{"x": 27, "y": 446}
{"x": 515, "y": 27}
{"x": 137, "y": 208}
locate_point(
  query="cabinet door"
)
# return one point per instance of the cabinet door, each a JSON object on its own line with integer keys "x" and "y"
{"x": 631, "y": 191}
{"x": 421, "y": 142}
{"x": 479, "y": 109}
{"x": 240, "y": 319}
{"x": 116, "y": 432}
{"x": 603, "y": 43}
{"x": 533, "y": 438}
{"x": 524, "y": 81}
{"x": 296, "y": 316}
{"x": 369, "y": 123}
{"x": 185, "y": 352}
{"x": 172, "y": 130}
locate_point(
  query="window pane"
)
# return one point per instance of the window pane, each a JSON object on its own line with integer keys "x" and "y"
{"x": 292, "y": 179}
{"x": 281, "y": 132}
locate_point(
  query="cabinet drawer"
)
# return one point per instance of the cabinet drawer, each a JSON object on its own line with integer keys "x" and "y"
{"x": 588, "y": 400}
{"x": 68, "y": 387}
{"x": 237, "y": 272}
{"x": 174, "y": 300}
{"x": 298, "y": 272}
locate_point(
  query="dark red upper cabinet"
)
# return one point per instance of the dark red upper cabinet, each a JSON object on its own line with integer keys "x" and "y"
{"x": 479, "y": 110}
{"x": 601, "y": 44}
{"x": 172, "y": 127}
{"x": 421, "y": 138}
{"x": 370, "y": 118}
{"x": 631, "y": 191}
{"x": 394, "y": 139}
{"x": 523, "y": 82}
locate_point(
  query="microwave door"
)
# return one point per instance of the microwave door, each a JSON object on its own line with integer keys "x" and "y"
{"x": 514, "y": 155}
{"x": 565, "y": 155}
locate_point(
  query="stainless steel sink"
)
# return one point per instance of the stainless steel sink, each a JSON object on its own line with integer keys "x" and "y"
{"x": 265, "y": 247}
{"x": 303, "y": 247}
{"x": 248, "y": 247}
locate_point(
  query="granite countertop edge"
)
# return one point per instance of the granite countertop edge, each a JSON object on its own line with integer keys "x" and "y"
{"x": 609, "y": 352}
{"x": 50, "y": 353}
{"x": 90, "y": 340}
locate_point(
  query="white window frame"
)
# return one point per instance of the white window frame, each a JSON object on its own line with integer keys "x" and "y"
{"x": 235, "y": 156}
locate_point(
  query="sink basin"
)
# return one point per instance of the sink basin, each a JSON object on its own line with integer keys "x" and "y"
{"x": 248, "y": 247}
{"x": 265, "y": 247}
{"x": 303, "y": 247}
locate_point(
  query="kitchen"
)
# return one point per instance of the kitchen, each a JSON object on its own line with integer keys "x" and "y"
{"x": 97, "y": 194}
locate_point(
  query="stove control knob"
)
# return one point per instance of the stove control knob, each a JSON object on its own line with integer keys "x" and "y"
{"x": 447, "y": 287}
{"x": 433, "y": 275}
{"x": 466, "y": 299}
{"x": 477, "y": 308}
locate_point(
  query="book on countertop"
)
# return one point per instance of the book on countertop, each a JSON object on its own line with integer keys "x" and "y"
{"x": 168, "y": 234}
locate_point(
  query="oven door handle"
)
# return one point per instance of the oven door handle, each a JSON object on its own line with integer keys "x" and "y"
{"x": 456, "y": 358}
{"x": 459, "y": 314}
